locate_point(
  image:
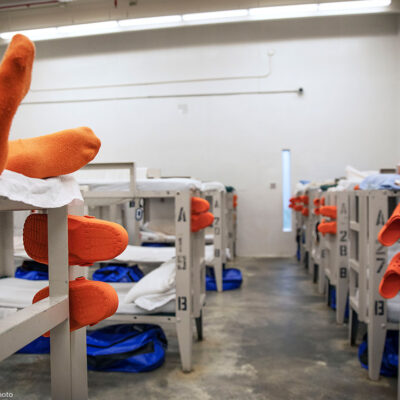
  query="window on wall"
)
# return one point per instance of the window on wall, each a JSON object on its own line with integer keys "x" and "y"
{"x": 286, "y": 191}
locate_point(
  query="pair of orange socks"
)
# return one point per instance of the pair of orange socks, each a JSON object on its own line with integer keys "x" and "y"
{"x": 200, "y": 216}
{"x": 89, "y": 302}
{"x": 44, "y": 156}
{"x": 89, "y": 240}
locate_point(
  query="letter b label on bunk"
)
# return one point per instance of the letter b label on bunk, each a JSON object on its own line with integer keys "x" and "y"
{"x": 182, "y": 303}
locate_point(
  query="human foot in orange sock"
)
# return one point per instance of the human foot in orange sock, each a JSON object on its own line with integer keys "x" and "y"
{"x": 15, "y": 80}
{"x": 327, "y": 227}
{"x": 201, "y": 221}
{"x": 390, "y": 232}
{"x": 89, "y": 239}
{"x": 390, "y": 283}
{"x": 56, "y": 154}
{"x": 89, "y": 302}
{"x": 199, "y": 205}
{"x": 329, "y": 211}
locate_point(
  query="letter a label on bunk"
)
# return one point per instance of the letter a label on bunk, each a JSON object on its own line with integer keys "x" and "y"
{"x": 381, "y": 219}
{"x": 182, "y": 215}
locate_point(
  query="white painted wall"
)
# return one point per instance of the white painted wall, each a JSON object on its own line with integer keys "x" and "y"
{"x": 347, "y": 66}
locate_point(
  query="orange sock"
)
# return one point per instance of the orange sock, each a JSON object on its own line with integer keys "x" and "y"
{"x": 89, "y": 302}
{"x": 53, "y": 155}
{"x": 390, "y": 232}
{"x": 201, "y": 221}
{"x": 390, "y": 283}
{"x": 327, "y": 227}
{"x": 15, "y": 80}
{"x": 317, "y": 202}
{"x": 89, "y": 239}
{"x": 322, "y": 201}
{"x": 329, "y": 211}
{"x": 305, "y": 212}
{"x": 199, "y": 205}
{"x": 235, "y": 200}
{"x": 317, "y": 211}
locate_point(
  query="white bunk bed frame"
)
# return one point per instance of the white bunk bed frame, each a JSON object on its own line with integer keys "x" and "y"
{"x": 336, "y": 253}
{"x": 218, "y": 208}
{"x": 369, "y": 210}
{"x": 231, "y": 223}
{"x": 190, "y": 260}
{"x": 68, "y": 364}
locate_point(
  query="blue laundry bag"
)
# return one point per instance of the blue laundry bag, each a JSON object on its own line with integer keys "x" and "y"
{"x": 118, "y": 273}
{"x": 231, "y": 279}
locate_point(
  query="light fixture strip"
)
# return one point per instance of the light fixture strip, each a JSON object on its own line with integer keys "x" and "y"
{"x": 240, "y": 15}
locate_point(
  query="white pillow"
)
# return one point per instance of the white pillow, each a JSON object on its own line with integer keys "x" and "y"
{"x": 155, "y": 300}
{"x": 160, "y": 280}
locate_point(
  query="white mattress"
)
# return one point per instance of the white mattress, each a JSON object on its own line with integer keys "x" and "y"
{"x": 18, "y": 293}
{"x": 148, "y": 236}
{"x": 145, "y": 185}
{"x": 42, "y": 193}
{"x": 206, "y": 186}
{"x": 155, "y": 255}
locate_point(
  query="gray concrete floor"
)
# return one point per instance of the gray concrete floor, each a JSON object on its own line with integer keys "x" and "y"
{"x": 274, "y": 339}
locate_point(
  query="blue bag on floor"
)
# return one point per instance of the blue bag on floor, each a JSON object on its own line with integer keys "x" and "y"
{"x": 333, "y": 302}
{"x": 390, "y": 359}
{"x": 123, "y": 348}
{"x": 118, "y": 273}
{"x": 32, "y": 271}
{"x": 231, "y": 279}
{"x": 126, "y": 348}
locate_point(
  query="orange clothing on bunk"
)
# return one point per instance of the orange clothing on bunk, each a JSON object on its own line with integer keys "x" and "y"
{"x": 305, "y": 212}
{"x": 317, "y": 211}
{"x": 291, "y": 205}
{"x": 304, "y": 199}
{"x": 89, "y": 302}
{"x": 329, "y": 211}
{"x": 322, "y": 201}
{"x": 201, "y": 221}
{"x": 390, "y": 283}
{"x": 327, "y": 227}
{"x": 15, "y": 80}
{"x": 89, "y": 239}
{"x": 235, "y": 200}
{"x": 317, "y": 202}
{"x": 56, "y": 154}
{"x": 298, "y": 207}
{"x": 390, "y": 232}
{"x": 199, "y": 205}
{"x": 357, "y": 187}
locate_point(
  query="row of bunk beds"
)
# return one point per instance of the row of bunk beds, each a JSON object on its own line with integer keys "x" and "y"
{"x": 337, "y": 227}
{"x": 156, "y": 212}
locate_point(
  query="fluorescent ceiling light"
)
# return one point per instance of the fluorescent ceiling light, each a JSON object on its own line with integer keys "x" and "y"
{"x": 353, "y": 5}
{"x": 215, "y": 15}
{"x": 283, "y": 11}
{"x": 252, "y": 14}
{"x": 168, "y": 19}
{"x": 84, "y": 29}
{"x": 33, "y": 34}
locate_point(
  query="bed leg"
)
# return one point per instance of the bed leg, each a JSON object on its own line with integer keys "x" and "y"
{"x": 315, "y": 274}
{"x": 341, "y": 299}
{"x": 376, "y": 344}
{"x": 353, "y": 326}
{"x": 184, "y": 330}
{"x": 199, "y": 326}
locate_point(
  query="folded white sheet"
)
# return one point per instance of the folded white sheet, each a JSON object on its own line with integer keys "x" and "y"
{"x": 44, "y": 193}
{"x": 206, "y": 186}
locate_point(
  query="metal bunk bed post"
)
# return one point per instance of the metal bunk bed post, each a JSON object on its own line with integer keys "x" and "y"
{"x": 184, "y": 270}
{"x": 377, "y": 307}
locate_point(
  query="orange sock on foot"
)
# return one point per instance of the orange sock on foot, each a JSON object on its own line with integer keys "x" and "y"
{"x": 89, "y": 302}
{"x": 390, "y": 232}
{"x": 329, "y": 211}
{"x": 15, "y": 80}
{"x": 89, "y": 239}
{"x": 199, "y": 205}
{"x": 201, "y": 221}
{"x": 53, "y": 155}
{"x": 390, "y": 283}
